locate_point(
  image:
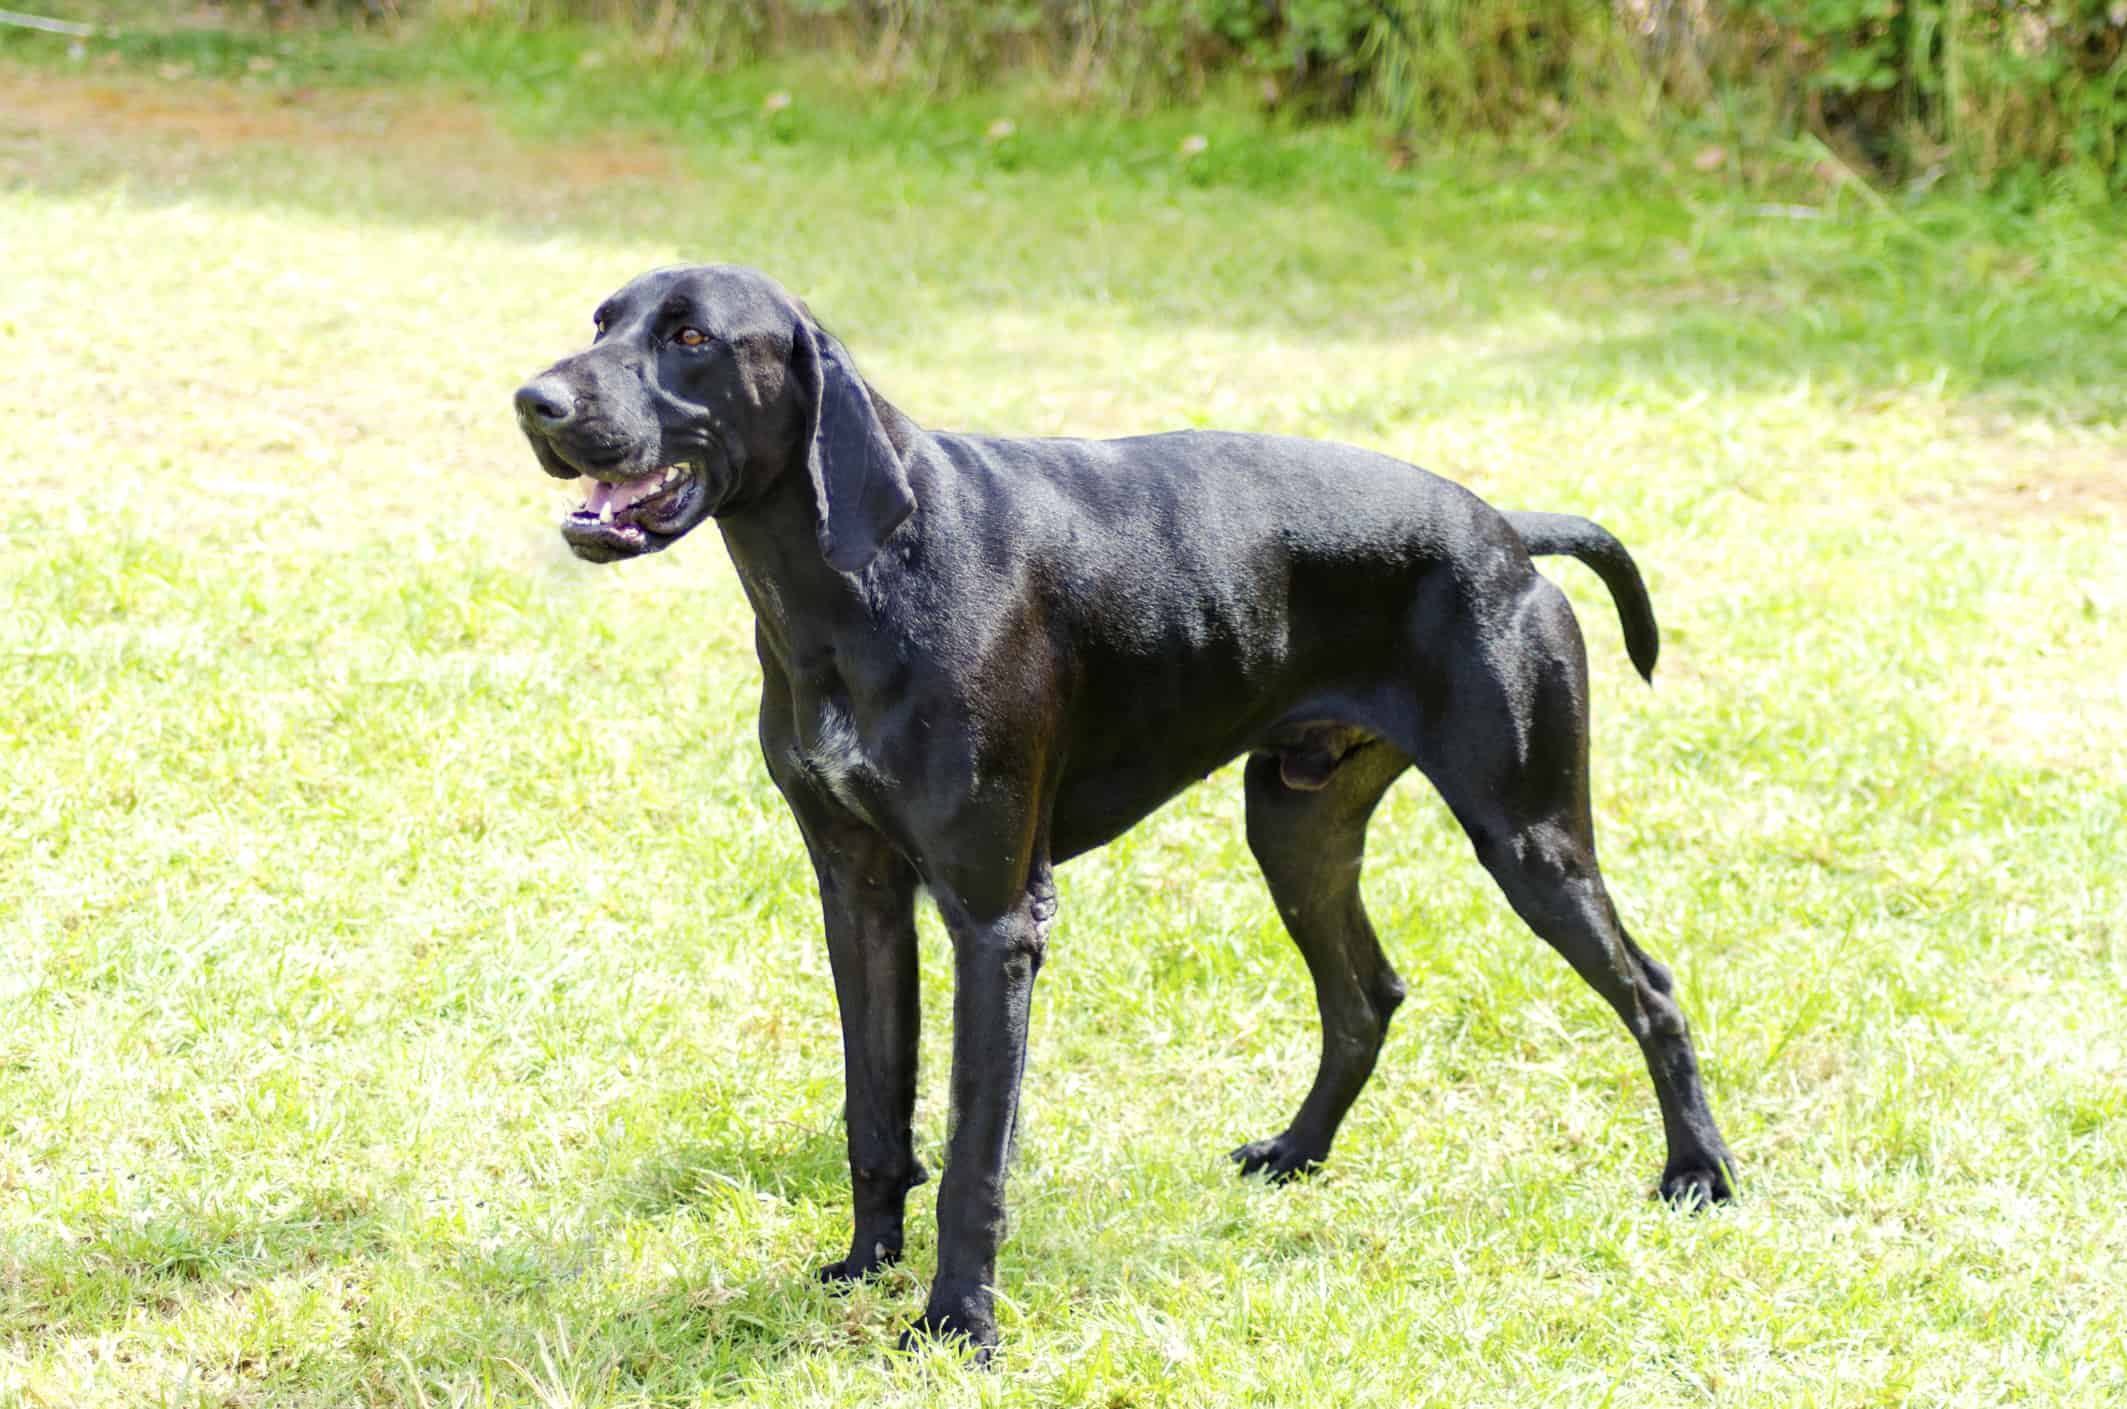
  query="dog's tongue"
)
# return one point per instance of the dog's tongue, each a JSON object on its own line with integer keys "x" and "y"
{"x": 604, "y": 496}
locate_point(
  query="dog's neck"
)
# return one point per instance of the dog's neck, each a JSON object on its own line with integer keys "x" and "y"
{"x": 806, "y": 608}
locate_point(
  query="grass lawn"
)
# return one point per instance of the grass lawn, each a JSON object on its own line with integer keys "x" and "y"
{"x": 410, "y": 991}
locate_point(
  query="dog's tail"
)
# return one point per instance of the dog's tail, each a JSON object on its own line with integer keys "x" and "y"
{"x": 1552, "y": 534}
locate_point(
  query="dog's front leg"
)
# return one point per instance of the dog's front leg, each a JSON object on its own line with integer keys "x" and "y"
{"x": 868, "y": 901}
{"x": 995, "y": 962}
{"x": 871, "y": 945}
{"x": 868, "y": 905}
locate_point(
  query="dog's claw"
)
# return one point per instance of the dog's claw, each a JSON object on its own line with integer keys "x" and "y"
{"x": 1276, "y": 1159}
{"x": 841, "y": 1276}
{"x": 965, "y": 1323}
{"x": 1695, "y": 1189}
{"x": 922, "y": 1333}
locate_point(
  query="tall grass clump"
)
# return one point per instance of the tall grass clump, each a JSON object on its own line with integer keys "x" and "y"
{"x": 1461, "y": 63}
{"x": 2002, "y": 88}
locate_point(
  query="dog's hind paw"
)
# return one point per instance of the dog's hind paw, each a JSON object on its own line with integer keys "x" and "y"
{"x": 1692, "y": 1189}
{"x": 1279, "y": 1159}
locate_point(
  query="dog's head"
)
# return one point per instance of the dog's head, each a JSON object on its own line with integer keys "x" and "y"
{"x": 701, "y": 389}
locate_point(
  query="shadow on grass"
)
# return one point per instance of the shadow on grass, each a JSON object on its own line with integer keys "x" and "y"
{"x": 809, "y": 1165}
{"x": 670, "y": 1345}
{"x": 522, "y": 1305}
{"x": 97, "y": 1278}
{"x": 548, "y": 1312}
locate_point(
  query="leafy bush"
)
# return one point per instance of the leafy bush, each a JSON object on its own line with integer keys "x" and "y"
{"x": 1996, "y": 83}
{"x": 1905, "y": 87}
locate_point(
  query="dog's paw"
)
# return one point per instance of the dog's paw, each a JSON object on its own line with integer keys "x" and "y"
{"x": 964, "y": 1320}
{"x": 1279, "y": 1159}
{"x": 858, "y": 1267}
{"x": 1698, "y": 1187}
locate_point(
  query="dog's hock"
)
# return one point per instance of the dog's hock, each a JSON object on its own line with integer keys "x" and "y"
{"x": 858, "y": 482}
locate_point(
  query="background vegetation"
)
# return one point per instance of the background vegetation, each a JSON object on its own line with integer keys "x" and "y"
{"x": 1989, "y": 90}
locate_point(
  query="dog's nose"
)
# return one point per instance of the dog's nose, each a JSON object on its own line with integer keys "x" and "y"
{"x": 544, "y": 402}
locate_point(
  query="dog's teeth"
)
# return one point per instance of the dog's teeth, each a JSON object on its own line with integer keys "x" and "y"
{"x": 605, "y": 513}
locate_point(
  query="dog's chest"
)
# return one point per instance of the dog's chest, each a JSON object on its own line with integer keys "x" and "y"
{"x": 831, "y": 753}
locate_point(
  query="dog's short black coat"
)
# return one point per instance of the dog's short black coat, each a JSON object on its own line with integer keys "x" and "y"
{"x": 984, "y": 656}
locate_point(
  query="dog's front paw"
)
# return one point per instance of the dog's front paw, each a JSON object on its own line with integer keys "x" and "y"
{"x": 1697, "y": 1187}
{"x": 861, "y": 1265}
{"x": 1278, "y": 1160}
{"x": 963, "y": 1315}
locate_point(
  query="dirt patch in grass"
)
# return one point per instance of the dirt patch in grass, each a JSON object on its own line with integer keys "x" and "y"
{"x": 2059, "y": 702}
{"x": 2053, "y": 719}
{"x": 2033, "y": 470}
{"x": 2064, "y": 492}
{"x": 221, "y": 117}
{"x": 213, "y": 119}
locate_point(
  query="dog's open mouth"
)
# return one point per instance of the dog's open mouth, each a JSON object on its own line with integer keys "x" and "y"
{"x": 620, "y": 518}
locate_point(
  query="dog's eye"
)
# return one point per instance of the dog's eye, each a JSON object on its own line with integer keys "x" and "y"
{"x": 690, "y": 337}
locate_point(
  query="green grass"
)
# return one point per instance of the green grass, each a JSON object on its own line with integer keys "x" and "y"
{"x": 409, "y": 987}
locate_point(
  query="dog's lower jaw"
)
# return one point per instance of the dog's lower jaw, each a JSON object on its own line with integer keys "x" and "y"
{"x": 963, "y": 1312}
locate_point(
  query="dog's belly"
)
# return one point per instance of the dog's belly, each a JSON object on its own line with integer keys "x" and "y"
{"x": 1092, "y": 811}
{"x": 1094, "y": 806}
{"x": 1129, "y": 751}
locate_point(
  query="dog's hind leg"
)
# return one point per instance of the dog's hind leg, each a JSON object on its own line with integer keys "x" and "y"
{"x": 1512, "y": 764}
{"x": 1309, "y": 840}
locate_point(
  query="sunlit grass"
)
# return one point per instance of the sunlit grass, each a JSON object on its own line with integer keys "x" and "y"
{"x": 409, "y": 988}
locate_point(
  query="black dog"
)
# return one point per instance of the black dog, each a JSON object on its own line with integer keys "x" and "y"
{"x": 982, "y": 657}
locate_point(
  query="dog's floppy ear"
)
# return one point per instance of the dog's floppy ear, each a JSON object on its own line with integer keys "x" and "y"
{"x": 858, "y": 482}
